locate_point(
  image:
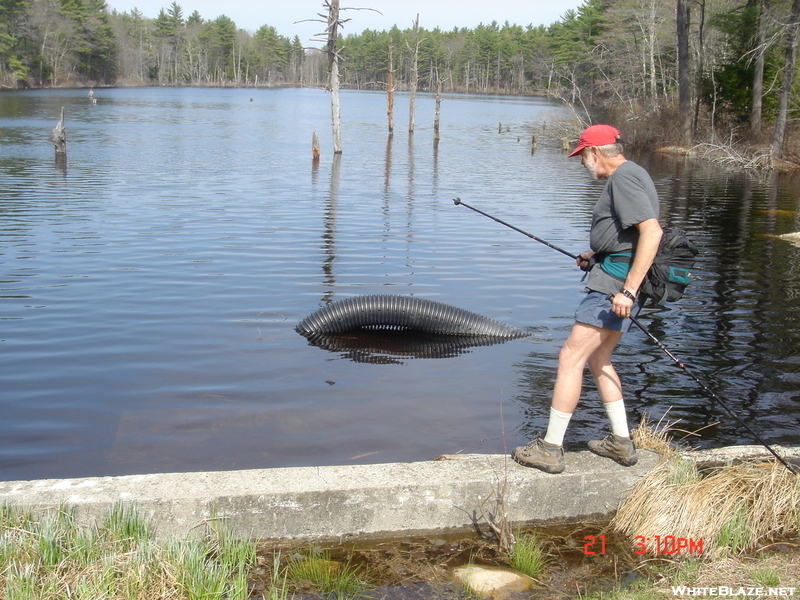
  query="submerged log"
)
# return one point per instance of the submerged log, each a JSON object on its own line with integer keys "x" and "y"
{"x": 60, "y": 136}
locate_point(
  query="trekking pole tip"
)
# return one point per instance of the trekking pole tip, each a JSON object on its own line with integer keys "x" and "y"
{"x": 456, "y": 201}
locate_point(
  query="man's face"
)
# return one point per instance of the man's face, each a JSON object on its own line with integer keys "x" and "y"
{"x": 589, "y": 160}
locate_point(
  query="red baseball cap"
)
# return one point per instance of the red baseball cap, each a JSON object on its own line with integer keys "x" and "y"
{"x": 597, "y": 135}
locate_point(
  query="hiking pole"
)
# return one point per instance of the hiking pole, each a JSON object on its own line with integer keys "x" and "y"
{"x": 457, "y": 202}
{"x": 705, "y": 388}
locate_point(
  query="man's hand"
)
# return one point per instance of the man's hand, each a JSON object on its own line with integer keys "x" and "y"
{"x": 621, "y": 305}
{"x": 583, "y": 260}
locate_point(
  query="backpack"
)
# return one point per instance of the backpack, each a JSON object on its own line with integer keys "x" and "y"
{"x": 671, "y": 271}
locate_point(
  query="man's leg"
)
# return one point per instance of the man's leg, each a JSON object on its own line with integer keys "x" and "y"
{"x": 584, "y": 340}
{"x": 584, "y": 344}
{"x": 618, "y": 446}
{"x": 609, "y": 386}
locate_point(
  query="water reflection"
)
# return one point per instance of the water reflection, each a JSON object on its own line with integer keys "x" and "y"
{"x": 384, "y": 347}
{"x": 329, "y": 229}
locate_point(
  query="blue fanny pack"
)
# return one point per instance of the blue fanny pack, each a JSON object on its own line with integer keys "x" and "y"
{"x": 617, "y": 264}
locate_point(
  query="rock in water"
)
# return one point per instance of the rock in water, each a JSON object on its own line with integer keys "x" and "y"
{"x": 498, "y": 583}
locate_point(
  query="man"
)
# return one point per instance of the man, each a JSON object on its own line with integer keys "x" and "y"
{"x": 624, "y": 238}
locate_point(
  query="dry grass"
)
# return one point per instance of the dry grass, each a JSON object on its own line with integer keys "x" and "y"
{"x": 734, "y": 508}
{"x": 656, "y": 437}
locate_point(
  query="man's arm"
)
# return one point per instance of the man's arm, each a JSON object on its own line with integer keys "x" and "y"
{"x": 649, "y": 237}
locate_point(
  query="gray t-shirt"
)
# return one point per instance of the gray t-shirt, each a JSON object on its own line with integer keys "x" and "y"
{"x": 629, "y": 197}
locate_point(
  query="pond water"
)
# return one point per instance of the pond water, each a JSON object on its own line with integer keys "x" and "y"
{"x": 150, "y": 286}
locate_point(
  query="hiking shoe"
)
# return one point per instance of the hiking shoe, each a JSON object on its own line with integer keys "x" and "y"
{"x": 620, "y": 449}
{"x": 540, "y": 455}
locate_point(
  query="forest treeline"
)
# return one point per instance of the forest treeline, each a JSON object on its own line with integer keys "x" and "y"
{"x": 665, "y": 70}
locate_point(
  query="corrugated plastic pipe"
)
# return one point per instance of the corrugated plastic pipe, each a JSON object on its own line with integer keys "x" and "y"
{"x": 385, "y": 311}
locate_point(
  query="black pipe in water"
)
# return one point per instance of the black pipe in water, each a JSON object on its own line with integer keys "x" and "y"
{"x": 385, "y": 311}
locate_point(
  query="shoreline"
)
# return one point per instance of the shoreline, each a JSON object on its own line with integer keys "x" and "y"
{"x": 450, "y": 494}
{"x": 347, "y": 502}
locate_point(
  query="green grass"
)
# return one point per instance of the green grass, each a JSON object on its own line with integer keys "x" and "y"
{"x": 328, "y": 576}
{"x": 639, "y": 590}
{"x": 529, "y": 556}
{"x": 766, "y": 577}
{"x": 682, "y": 472}
{"x": 278, "y": 590}
{"x": 734, "y": 535}
{"x": 126, "y": 527}
{"x": 52, "y": 557}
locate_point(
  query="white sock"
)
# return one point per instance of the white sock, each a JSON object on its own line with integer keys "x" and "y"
{"x": 618, "y": 417}
{"x": 557, "y": 427}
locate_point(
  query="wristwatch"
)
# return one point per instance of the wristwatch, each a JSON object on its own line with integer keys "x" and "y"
{"x": 628, "y": 295}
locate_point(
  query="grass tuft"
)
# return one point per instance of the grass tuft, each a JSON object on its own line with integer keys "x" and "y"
{"x": 766, "y": 577}
{"x": 529, "y": 556}
{"x": 278, "y": 588}
{"x": 126, "y": 527}
{"x": 735, "y": 534}
{"x": 328, "y": 576}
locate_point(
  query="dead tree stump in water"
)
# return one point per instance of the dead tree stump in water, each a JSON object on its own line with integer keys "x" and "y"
{"x": 60, "y": 137}
{"x": 438, "y": 111}
{"x": 414, "y": 83}
{"x": 315, "y": 146}
{"x": 390, "y": 89}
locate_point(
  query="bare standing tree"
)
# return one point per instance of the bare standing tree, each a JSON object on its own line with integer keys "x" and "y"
{"x": 684, "y": 73}
{"x": 414, "y": 75}
{"x": 332, "y": 33}
{"x": 792, "y": 30}
{"x": 758, "y": 75}
{"x": 333, "y": 23}
{"x": 390, "y": 88}
{"x": 438, "y": 112}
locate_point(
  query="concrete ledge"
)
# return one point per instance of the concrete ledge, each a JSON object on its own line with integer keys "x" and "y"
{"x": 385, "y": 500}
{"x": 735, "y": 454}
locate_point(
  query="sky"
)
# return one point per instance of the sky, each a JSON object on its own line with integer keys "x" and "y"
{"x": 285, "y": 15}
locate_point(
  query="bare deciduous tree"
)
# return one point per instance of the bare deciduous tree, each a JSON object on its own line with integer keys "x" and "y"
{"x": 792, "y": 30}
{"x": 333, "y": 23}
{"x": 333, "y": 70}
{"x": 414, "y": 49}
{"x": 684, "y": 73}
{"x": 390, "y": 88}
{"x": 758, "y": 74}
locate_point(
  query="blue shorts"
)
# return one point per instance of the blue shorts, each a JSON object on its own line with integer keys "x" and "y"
{"x": 595, "y": 309}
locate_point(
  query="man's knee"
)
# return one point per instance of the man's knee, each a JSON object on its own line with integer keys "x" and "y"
{"x": 599, "y": 361}
{"x": 571, "y": 356}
